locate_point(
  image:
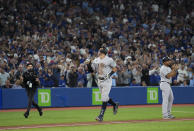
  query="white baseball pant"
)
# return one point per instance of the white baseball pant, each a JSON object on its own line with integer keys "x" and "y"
{"x": 105, "y": 87}
{"x": 167, "y": 98}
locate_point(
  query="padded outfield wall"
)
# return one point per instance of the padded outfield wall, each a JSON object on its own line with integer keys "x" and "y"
{"x": 69, "y": 97}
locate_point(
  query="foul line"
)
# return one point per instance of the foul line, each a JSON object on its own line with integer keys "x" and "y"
{"x": 90, "y": 123}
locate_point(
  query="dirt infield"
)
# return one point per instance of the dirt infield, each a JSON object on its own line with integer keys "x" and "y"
{"x": 89, "y": 123}
{"x": 92, "y": 107}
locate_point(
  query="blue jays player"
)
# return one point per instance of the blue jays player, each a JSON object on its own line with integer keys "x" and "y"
{"x": 166, "y": 74}
{"x": 104, "y": 67}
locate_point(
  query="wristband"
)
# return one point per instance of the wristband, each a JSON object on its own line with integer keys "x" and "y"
{"x": 111, "y": 73}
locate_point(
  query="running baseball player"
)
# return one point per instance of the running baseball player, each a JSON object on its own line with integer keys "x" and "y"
{"x": 104, "y": 67}
{"x": 166, "y": 74}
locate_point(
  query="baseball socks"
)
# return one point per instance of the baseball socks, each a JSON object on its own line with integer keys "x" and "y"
{"x": 103, "y": 109}
{"x": 115, "y": 106}
{"x": 111, "y": 102}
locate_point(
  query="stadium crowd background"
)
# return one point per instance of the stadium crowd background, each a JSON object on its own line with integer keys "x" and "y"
{"x": 59, "y": 35}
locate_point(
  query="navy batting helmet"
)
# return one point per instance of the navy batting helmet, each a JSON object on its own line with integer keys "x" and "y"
{"x": 103, "y": 50}
{"x": 165, "y": 59}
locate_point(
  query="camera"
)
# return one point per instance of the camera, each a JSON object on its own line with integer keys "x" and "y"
{"x": 31, "y": 76}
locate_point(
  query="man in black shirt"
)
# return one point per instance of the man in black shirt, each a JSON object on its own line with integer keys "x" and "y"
{"x": 145, "y": 76}
{"x": 31, "y": 83}
{"x": 72, "y": 76}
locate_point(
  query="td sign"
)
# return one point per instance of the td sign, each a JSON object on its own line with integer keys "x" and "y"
{"x": 152, "y": 95}
{"x": 44, "y": 97}
{"x": 96, "y": 97}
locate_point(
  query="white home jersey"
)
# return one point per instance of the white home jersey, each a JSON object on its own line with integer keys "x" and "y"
{"x": 164, "y": 70}
{"x": 103, "y": 66}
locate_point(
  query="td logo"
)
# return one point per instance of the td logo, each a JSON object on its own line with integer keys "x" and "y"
{"x": 44, "y": 97}
{"x": 152, "y": 95}
{"x": 96, "y": 97}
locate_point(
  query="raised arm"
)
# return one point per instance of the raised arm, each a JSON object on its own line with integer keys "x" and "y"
{"x": 92, "y": 66}
{"x": 173, "y": 72}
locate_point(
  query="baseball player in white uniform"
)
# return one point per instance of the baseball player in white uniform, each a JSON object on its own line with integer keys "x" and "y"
{"x": 104, "y": 67}
{"x": 166, "y": 74}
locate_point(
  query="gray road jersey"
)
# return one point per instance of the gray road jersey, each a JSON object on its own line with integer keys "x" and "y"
{"x": 103, "y": 66}
{"x": 164, "y": 70}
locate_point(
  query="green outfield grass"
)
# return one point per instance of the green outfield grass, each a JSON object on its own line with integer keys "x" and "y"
{"x": 151, "y": 126}
{"x": 71, "y": 116}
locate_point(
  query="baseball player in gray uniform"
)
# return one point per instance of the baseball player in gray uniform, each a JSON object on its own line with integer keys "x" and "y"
{"x": 104, "y": 67}
{"x": 166, "y": 74}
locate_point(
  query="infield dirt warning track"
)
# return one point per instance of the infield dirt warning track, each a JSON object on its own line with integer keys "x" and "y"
{"x": 88, "y": 123}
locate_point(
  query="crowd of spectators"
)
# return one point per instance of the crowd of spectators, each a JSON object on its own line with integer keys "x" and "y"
{"x": 59, "y": 35}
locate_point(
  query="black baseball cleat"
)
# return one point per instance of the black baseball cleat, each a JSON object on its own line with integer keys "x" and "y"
{"x": 26, "y": 114}
{"x": 115, "y": 108}
{"x": 99, "y": 118}
{"x": 40, "y": 112}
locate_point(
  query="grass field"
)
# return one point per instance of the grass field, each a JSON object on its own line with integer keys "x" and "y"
{"x": 16, "y": 118}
